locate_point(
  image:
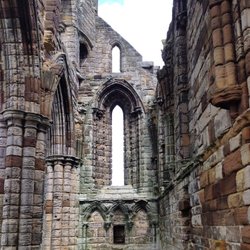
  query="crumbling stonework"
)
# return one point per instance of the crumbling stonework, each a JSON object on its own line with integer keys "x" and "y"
{"x": 186, "y": 131}
{"x": 205, "y": 204}
{"x": 133, "y": 90}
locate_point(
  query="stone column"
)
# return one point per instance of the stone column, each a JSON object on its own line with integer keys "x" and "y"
{"x": 13, "y": 175}
{"x": 23, "y": 196}
{"x": 243, "y": 52}
{"x": 61, "y": 205}
{"x": 225, "y": 93}
{"x": 70, "y": 204}
{"x": 85, "y": 235}
{"x": 38, "y": 199}
{"x": 48, "y": 205}
{"x": 31, "y": 189}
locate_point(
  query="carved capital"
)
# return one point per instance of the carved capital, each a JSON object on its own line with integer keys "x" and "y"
{"x": 137, "y": 111}
{"x": 62, "y": 159}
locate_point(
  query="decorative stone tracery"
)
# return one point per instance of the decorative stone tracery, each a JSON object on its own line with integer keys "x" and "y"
{"x": 135, "y": 216}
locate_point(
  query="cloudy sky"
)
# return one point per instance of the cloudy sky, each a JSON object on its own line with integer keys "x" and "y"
{"x": 143, "y": 23}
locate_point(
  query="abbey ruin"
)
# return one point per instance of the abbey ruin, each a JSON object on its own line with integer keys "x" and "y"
{"x": 186, "y": 130}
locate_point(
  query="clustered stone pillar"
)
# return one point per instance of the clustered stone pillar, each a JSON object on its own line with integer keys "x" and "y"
{"x": 61, "y": 203}
{"x": 226, "y": 91}
{"x": 30, "y": 224}
{"x": 13, "y": 166}
{"x": 23, "y": 186}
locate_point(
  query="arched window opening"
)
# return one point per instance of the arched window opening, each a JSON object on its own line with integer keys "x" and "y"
{"x": 116, "y": 60}
{"x": 83, "y": 52}
{"x": 117, "y": 147}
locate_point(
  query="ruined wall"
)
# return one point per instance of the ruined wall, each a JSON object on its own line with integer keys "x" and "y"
{"x": 37, "y": 90}
{"x": 106, "y": 209}
{"x": 205, "y": 201}
{"x": 186, "y": 139}
{"x": 133, "y": 90}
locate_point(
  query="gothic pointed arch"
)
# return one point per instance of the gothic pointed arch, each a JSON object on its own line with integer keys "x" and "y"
{"x": 141, "y": 204}
{"x": 20, "y": 78}
{"x": 95, "y": 206}
{"x": 54, "y": 72}
{"x": 57, "y": 104}
{"x": 117, "y": 92}
{"x": 120, "y": 206}
{"x": 118, "y": 57}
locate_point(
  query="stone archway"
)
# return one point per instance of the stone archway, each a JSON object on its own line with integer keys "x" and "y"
{"x": 121, "y": 93}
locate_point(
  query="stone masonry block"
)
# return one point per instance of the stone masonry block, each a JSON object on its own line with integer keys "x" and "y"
{"x": 217, "y": 38}
{"x": 218, "y": 171}
{"x": 222, "y": 203}
{"x": 228, "y": 185}
{"x": 212, "y": 175}
{"x": 245, "y": 154}
{"x": 13, "y": 161}
{"x": 215, "y": 11}
{"x": 204, "y": 181}
{"x": 246, "y": 197}
{"x": 225, "y": 7}
{"x": 245, "y": 232}
{"x": 14, "y": 150}
{"x": 247, "y": 177}
{"x": 222, "y": 122}
{"x": 235, "y": 200}
{"x": 227, "y": 34}
{"x": 233, "y": 234}
{"x": 240, "y": 178}
{"x": 232, "y": 162}
{"x": 235, "y": 142}
{"x": 246, "y": 135}
{"x": 241, "y": 216}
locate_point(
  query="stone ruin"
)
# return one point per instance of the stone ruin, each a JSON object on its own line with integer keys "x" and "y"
{"x": 186, "y": 130}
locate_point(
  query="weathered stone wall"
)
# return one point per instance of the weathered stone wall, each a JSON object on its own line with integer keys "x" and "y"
{"x": 33, "y": 65}
{"x": 204, "y": 203}
{"x": 187, "y": 139}
{"x": 118, "y": 206}
{"x": 101, "y": 90}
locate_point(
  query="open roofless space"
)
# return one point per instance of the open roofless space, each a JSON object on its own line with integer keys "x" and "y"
{"x": 184, "y": 133}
